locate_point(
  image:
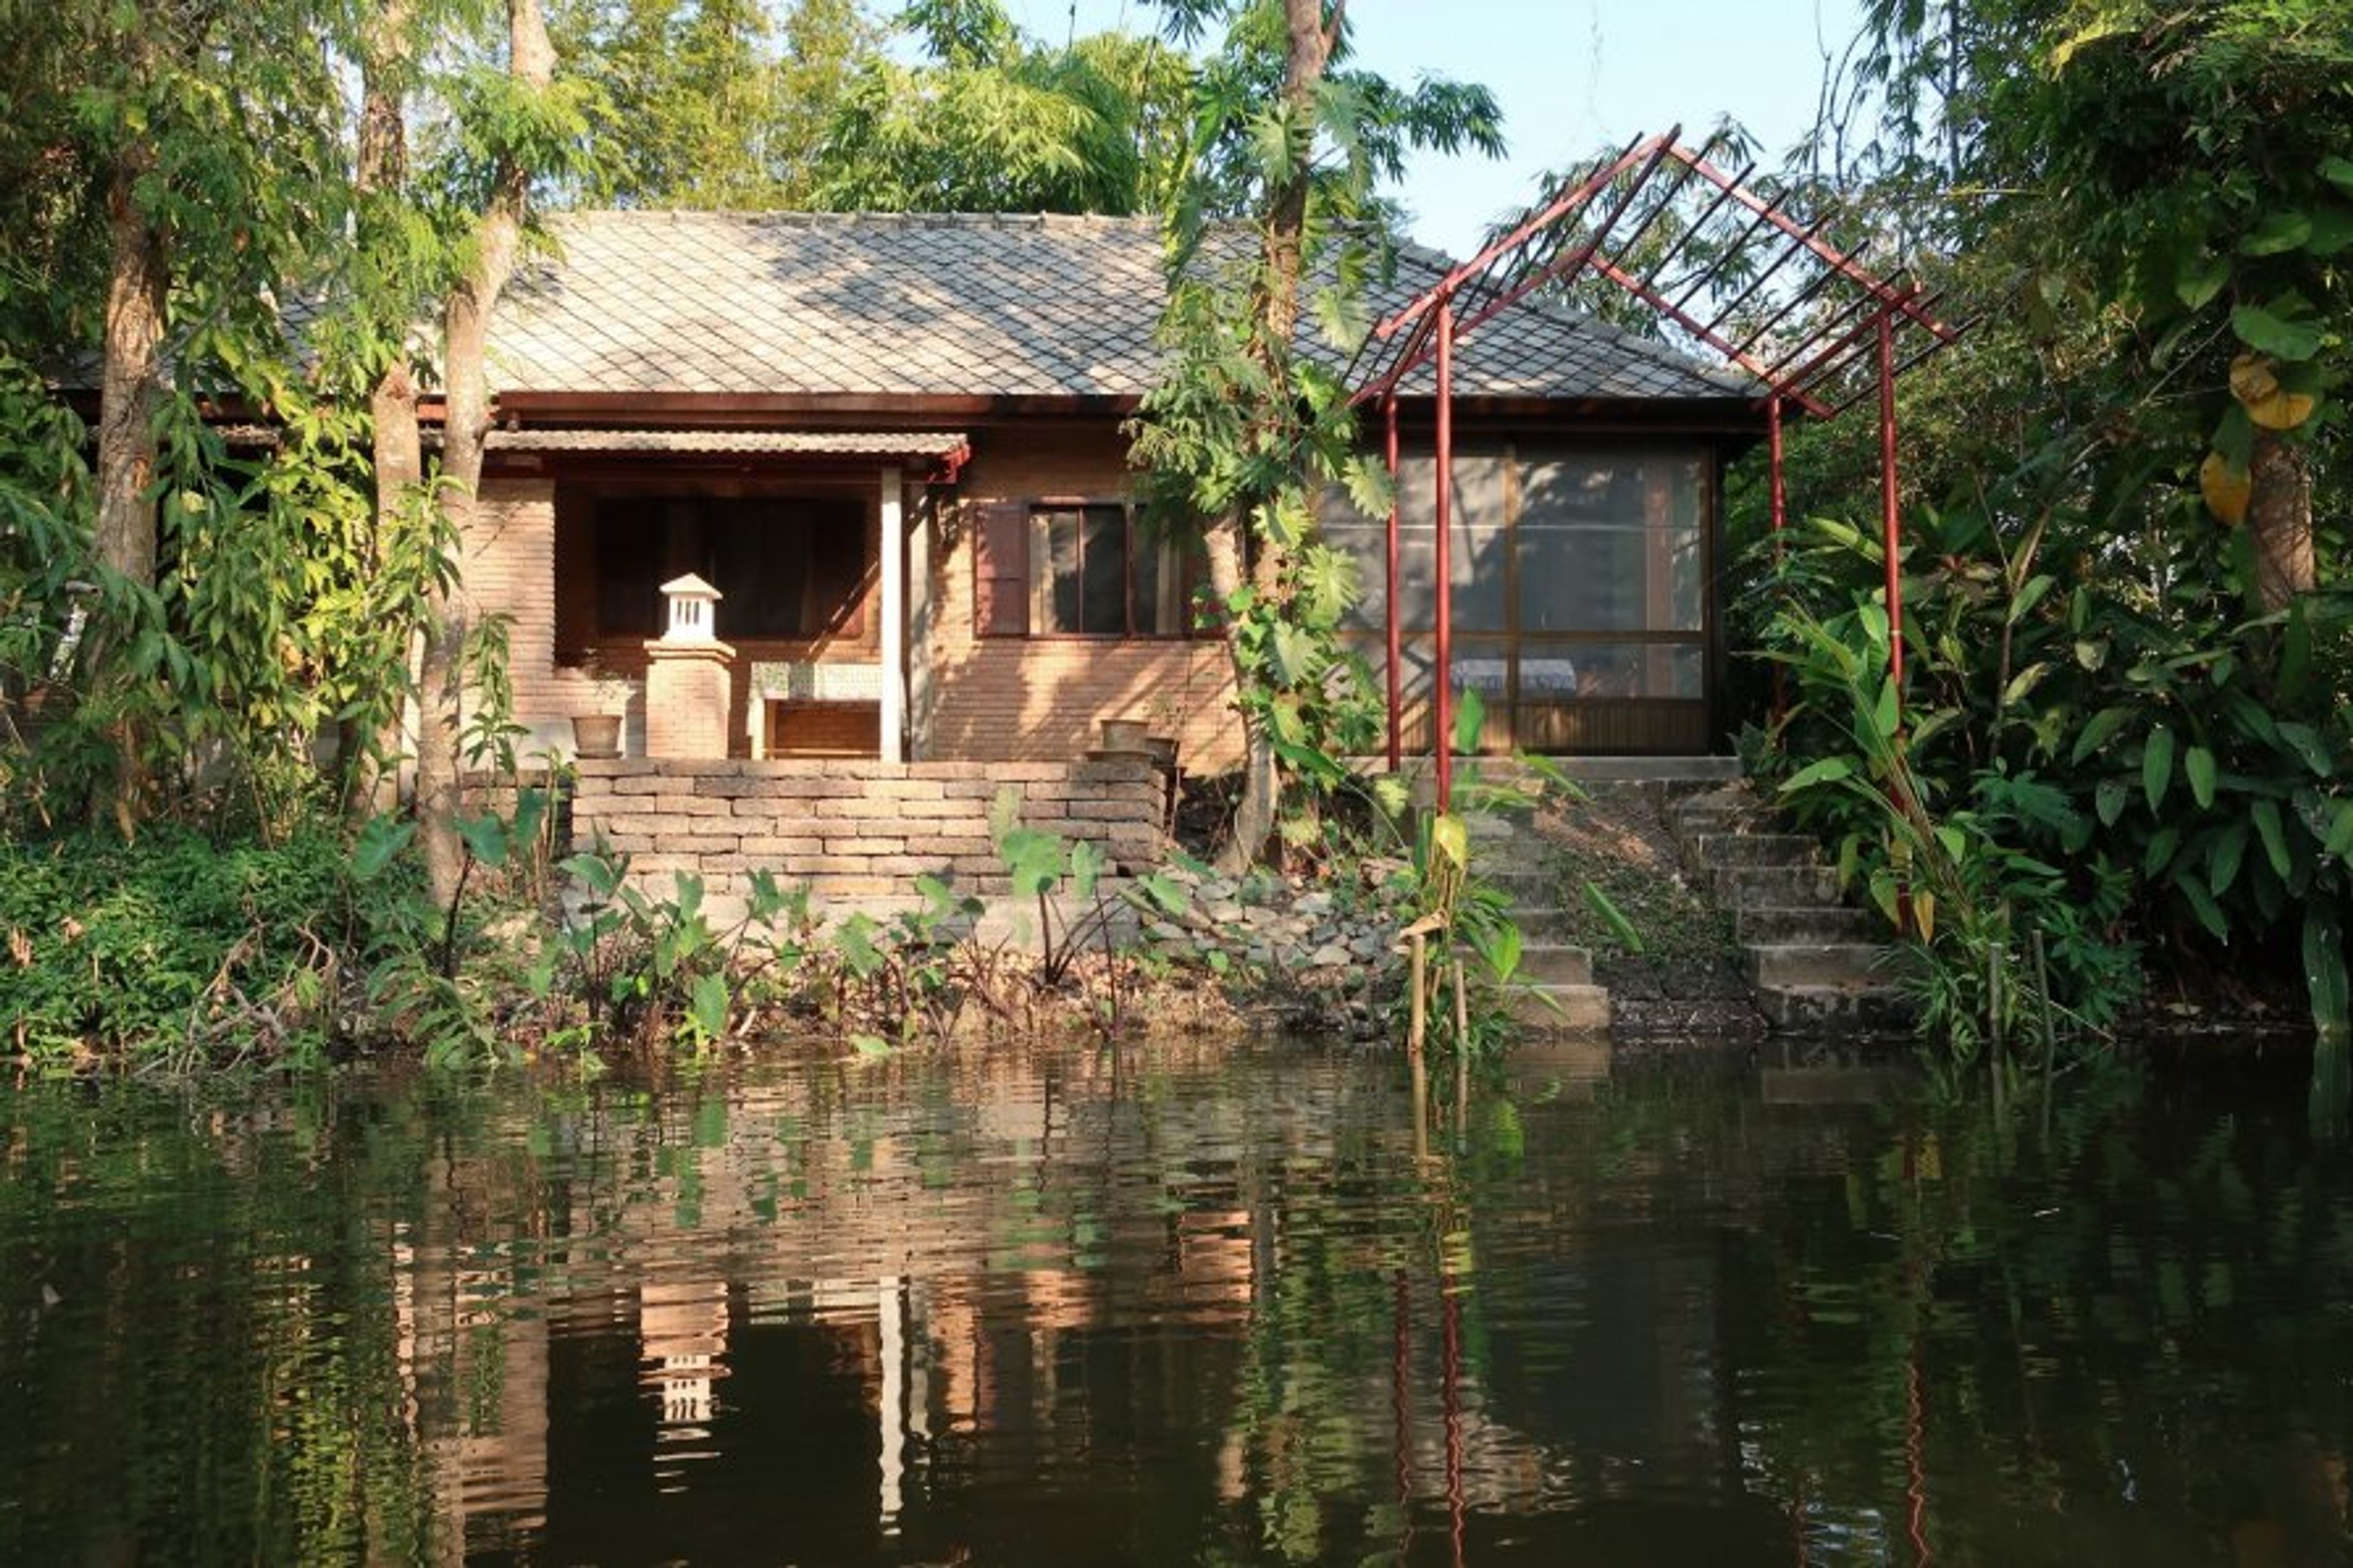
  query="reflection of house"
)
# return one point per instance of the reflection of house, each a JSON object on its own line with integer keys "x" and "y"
{"x": 894, "y": 445}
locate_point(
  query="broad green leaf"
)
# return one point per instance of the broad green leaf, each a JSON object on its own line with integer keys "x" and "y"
{"x": 2323, "y": 967}
{"x": 2202, "y": 905}
{"x": 2337, "y": 172}
{"x": 2308, "y": 745}
{"x": 1887, "y": 714}
{"x": 2266, "y": 814}
{"x": 2197, "y": 766}
{"x": 2097, "y": 731}
{"x": 1450, "y": 837}
{"x": 2230, "y": 853}
{"x": 2156, "y": 766}
{"x": 2201, "y": 277}
{"x": 2108, "y": 801}
{"x": 2259, "y": 328}
{"x": 485, "y": 839}
{"x": 2340, "y": 831}
{"x": 2332, "y": 231}
{"x": 2158, "y": 853}
{"x": 2276, "y": 232}
{"x": 381, "y": 840}
{"x": 707, "y": 1006}
{"x": 1470, "y": 718}
{"x": 870, "y": 1046}
{"x": 1829, "y": 770}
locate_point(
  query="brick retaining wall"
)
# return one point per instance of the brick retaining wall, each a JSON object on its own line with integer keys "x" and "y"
{"x": 854, "y": 829}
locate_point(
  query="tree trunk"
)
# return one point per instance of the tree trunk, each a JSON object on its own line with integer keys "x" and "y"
{"x": 1254, "y": 813}
{"x": 2279, "y": 520}
{"x": 1282, "y": 258}
{"x": 399, "y": 457}
{"x": 131, "y": 379}
{"x": 465, "y": 431}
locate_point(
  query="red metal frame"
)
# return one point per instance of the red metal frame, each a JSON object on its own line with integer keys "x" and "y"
{"x": 1831, "y": 332}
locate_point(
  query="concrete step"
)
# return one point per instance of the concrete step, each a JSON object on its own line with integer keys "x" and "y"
{"x": 1785, "y": 964}
{"x": 1835, "y": 1009}
{"x": 1715, "y": 849}
{"x": 1536, "y": 921}
{"x": 1552, "y": 1010}
{"x": 1781, "y": 886}
{"x": 1761, "y": 924}
{"x": 1556, "y": 963}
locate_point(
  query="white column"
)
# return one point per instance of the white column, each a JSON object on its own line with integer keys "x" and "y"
{"x": 894, "y": 619}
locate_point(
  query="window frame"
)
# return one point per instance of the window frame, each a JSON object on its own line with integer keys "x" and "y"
{"x": 1037, "y": 580}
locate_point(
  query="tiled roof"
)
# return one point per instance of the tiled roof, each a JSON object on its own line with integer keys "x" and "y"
{"x": 733, "y": 443}
{"x": 949, "y": 305}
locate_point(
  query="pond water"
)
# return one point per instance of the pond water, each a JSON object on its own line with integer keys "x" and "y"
{"x": 1178, "y": 1305}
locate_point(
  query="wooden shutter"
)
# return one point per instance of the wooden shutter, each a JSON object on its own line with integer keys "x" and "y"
{"x": 1000, "y": 568}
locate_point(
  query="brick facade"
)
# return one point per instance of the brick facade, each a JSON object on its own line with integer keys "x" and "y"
{"x": 1002, "y": 698}
{"x": 854, "y": 829}
{"x": 1021, "y": 698}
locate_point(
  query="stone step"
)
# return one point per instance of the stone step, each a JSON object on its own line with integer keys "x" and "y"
{"x": 1538, "y": 921}
{"x": 1556, "y": 963}
{"x": 1781, "y": 886}
{"x": 1784, "y": 964}
{"x": 1715, "y": 849}
{"x": 1758, "y": 924}
{"x": 1550, "y": 1010}
{"x": 1835, "y": 1009}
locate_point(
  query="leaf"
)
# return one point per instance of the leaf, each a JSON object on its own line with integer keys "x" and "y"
{"x": 870, "y": 1046}
{"x": 381, "y": 840}
{"x": 2108, "y": 801}
{"x": 2277, "y": 232}
{"x": 2097, "y": 731}
{"x": 1887, "y": 714}
{"x": 2338, "y": 171}
{"x": 2340, "y": 831}
{"x": 2332, "y": 231}
{"x": 1923, "y": 914}
{"x": 2201, "y": 277}
{"x": 2156, "y": 766}
{"x": 2308, "y": 745}
{"x": 1450, "y": 835}
{"x": 2259, "y": 328}
{"x": 2275, "y": 836}
{"x": 707, "y": 1006}
{"x": 1470, "y": 718}
{"x": 2227, "y": 489}
{"x": 2197, "y": 766}
{"x": 485, "y": 839}
{"x": 1613, "y": 917}
{"x": 2159, "y": 851}
{"x": 1830, "y": 769}
{"x": 2230, "y": 853}
{"x": 2324, "y": 967}
{"x": 2202, "y": 904}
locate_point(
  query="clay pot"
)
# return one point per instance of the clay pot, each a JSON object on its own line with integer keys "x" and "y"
{"x": 597, "y": 735}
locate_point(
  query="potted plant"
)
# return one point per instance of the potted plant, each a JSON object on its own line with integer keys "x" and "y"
{"x": 597, "y": 732}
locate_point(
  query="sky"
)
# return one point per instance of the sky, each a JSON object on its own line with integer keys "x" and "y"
{"x": 1571, "y": 76}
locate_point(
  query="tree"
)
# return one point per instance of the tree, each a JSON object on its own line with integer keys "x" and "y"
{"x": 1241, "y": 428}
{"x": 996, "y": 121}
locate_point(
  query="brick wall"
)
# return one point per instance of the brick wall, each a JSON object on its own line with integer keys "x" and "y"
{"x": 853, "y": 829}
{"x": 1025, "y": 698}
{"x": 992, "y": 698}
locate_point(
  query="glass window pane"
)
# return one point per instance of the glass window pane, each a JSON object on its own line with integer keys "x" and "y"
{"x": 1103, "y": 556}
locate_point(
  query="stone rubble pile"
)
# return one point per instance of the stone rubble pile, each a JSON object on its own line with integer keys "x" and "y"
{"x": 1322, "y": 955}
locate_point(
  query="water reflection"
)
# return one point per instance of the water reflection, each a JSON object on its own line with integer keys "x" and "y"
{"x": 1179, "y": 1306}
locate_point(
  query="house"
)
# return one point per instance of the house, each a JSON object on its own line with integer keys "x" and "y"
{"x": 893, "y": 445}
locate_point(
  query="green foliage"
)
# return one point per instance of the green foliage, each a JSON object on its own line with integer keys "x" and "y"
{"x": 179, "y": 947}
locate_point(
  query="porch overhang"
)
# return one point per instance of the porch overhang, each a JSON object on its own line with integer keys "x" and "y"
{"x": 939, "y": 453}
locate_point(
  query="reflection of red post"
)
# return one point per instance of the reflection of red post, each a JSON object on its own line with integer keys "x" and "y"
{"x": 1457, "y": 1508}
{"x": 1401, "y": 1410}
{"x": 1890, "y": 527}
{"x": 1780, "y": 521}
{"x": 1397, "y": 703}
{"x": 1443, "y": 696}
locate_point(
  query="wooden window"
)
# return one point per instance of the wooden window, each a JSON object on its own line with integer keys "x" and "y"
{"x": 1076, "y": 569}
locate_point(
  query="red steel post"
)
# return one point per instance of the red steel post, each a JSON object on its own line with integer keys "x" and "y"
{"x": 1891, "y": 526}
{"x": 1780, "y": 519}
{"x": 1396, "y": 673}
{"x": 1442, "y": 692}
